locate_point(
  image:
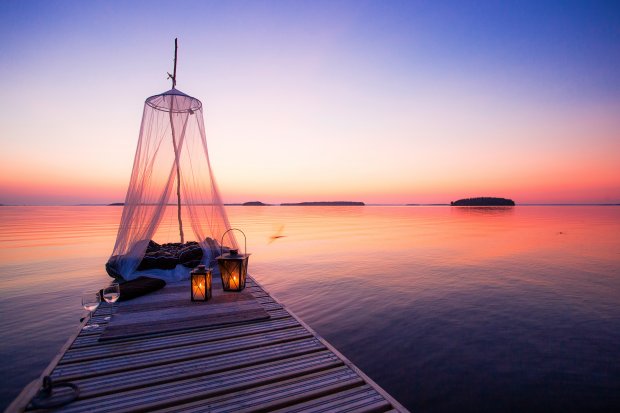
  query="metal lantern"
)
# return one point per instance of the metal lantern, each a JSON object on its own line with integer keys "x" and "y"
{"x": 233, "y": 266}
{"x": 200, "y": 283}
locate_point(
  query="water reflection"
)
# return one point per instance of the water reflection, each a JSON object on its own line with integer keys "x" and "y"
{"x": 460, "y": 309}
{"x": 448, "y": 308}
{"x": 482, "y": 210}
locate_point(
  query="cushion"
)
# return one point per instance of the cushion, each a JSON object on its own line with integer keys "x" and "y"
{"x": 138, "y": 287}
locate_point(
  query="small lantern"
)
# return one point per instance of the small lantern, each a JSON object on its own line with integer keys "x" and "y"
{"x": 200, "y": 283}
{"x": 233, "y": 266}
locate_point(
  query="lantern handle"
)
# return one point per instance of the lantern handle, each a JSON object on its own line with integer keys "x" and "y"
{"x": 245, "y": 241}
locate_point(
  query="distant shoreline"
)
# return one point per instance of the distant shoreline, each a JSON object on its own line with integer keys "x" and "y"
{"x": 324, "y": 203}
{"x": 289, "y": 204}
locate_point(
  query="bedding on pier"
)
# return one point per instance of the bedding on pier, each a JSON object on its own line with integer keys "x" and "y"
{"x": 171, "y": 169}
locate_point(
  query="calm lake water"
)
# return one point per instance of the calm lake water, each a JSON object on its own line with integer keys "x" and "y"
{"x": 448, "y": 309}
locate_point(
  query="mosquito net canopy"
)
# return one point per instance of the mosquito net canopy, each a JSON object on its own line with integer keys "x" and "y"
{"x": 173, "y": 217}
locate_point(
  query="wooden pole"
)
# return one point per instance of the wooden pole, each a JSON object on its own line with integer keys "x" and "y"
{"x": 174, "y": 73}
{"x": 174, "y": 143}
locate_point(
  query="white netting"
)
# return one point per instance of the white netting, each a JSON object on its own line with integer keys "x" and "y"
{"x": 172, "y": 143}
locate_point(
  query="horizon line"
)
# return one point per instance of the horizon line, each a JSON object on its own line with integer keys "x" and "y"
{"x": 365, "y": 204}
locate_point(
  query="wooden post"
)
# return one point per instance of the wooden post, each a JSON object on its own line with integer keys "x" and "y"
{"x": 174, "y": 143}
{"x": 176, "y": 160}
{"x": 174, "y": 73}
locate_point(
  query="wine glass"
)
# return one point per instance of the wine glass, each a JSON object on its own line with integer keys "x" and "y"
{"x": 111, "y": 294}
{"x": 90, "y": 302}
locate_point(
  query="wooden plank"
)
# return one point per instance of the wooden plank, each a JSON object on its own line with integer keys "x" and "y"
{"x": 184, "y": 391}
{"x": 173, "y": 311}
{"x": 272, "y": 306}
{"x": 270, "y": 396}
{"x": 145, "y": 377}
{"x": 108, "y": 349}
{"x": 152, "y": 358}
{"x": 178, "y": 300}
{"x": 93, "y": 339}
{"x": 265, "y": 300}
{"x": 146, "y": 326}
{"x": 358, "y": 399}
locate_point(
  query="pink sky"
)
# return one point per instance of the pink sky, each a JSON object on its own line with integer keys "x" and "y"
{"x": 347, "y": 101}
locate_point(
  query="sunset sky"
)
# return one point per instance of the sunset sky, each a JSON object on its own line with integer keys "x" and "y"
{"x": 374, "y": 101}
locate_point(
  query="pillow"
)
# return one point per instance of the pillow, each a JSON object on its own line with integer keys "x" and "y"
{"x": 138, "y": 287}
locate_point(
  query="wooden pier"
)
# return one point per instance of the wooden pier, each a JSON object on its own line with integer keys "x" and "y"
{"x": 270, "y": 363}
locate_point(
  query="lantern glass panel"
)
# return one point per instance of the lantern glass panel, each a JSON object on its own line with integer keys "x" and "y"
{"x": 233, "y": 271}
{"x": 201, "y": 286}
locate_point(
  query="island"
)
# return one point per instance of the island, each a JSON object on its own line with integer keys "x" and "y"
{"x": 254, "y": 203}
{"x": 325, "y": 203}
{"x": 117, "y": 204}
{"x": 483, "y": 201}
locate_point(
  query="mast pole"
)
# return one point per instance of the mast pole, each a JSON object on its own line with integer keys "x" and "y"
{"x": 174, "y": 143}
{"x": 174, "y": 72}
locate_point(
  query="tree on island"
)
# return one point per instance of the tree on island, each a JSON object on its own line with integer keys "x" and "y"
{"x": 254, "y": 203}
{"x": 483, "y": 201}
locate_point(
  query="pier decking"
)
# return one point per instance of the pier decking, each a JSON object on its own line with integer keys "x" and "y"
{"x": 267, "y": 364}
